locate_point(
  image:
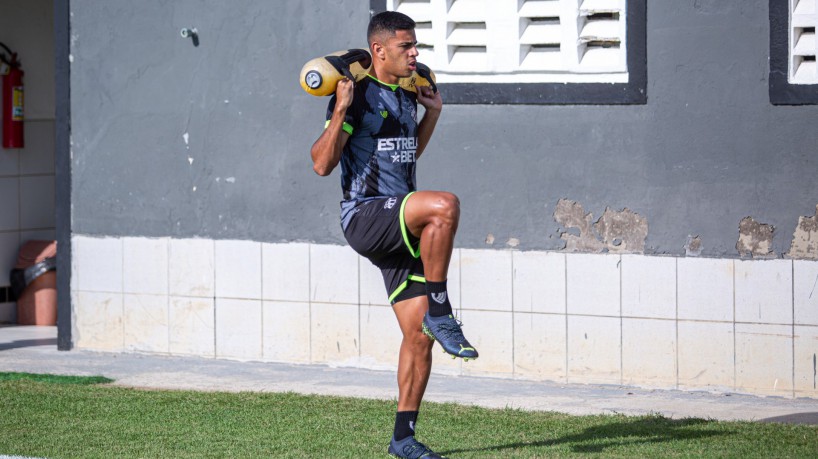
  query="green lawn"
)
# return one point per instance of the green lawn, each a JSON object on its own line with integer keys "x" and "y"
{"x": 49, "y": 418}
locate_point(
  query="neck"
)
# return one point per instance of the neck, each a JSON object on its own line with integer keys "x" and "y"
{"x": 383, "y": 76}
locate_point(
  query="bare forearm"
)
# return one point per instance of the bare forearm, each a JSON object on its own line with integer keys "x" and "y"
{"x": 425, "y": 130}
{"x": 326, "y": 151}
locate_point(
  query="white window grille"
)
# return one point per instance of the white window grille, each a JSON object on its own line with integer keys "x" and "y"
{"x": 803, "y": 42}
{"x": 521, "y": 41}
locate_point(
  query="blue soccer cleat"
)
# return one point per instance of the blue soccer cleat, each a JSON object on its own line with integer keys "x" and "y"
{"x": 446, "y": 330}
{"x": 410, "y": 448}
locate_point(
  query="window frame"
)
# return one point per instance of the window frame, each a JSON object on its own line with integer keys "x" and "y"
{"x": 782, "y": 92}
{"x": 634, "y": 92}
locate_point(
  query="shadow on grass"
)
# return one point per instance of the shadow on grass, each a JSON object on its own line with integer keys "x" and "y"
{"x": 632, "y": 431}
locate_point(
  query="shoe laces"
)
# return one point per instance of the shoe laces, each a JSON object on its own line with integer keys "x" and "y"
{"x": 450, "y": 329}
{"x": 415, "y": 449}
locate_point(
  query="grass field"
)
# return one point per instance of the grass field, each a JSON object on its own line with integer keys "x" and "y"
{"x": 59, "y": 417}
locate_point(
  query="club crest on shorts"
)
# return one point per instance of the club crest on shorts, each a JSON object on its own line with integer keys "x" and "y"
{"x": 390, "y": 203}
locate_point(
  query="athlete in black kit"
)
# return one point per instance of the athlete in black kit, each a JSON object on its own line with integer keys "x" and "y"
{"x": 372, "y": 131}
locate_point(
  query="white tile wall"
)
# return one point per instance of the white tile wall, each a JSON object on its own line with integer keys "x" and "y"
{"x": 9, "y": 249}
{"x": 485, "y": 279}
{"x": 490, "y": 332}
{"x": 334, "y": 337}
{"x": 238, "y": 329}
{"x": 764, "y": 359}
{"x": 594, "y": 349}
{"x": 191, "y": 268}
{"x": 38, "y": 156}
{"x": 539, "y": 282}
{"x": 593, "y": 284}
{"x": 145, "y": 267}
{"x": 764, "y": 291}
{"x": 98, "y": 321}
{"x": 649, "y": 352}
{"x": 192, "y": 326}
{"x": 285, "y": 272}
{"x": 286, "y": 333}
{"x": 805, "y": 346}
{"x": 129, "y": 296}
{"x": 453, "y": 281}
{"x": 9, "y": 162}
{"x": 539, "y": 346}
{"x": 705, "y": 289}
{"x": 380, "y": 337}
{"x": 145, "y": 323}
{"x": 37, "y": 202}
{"x": 648, "y": 287}
{"x": 706, "y": 353}
{"x": 805, "y": 291}
{"x": 98, "y": 263}
{"x": 10, "y": 204}
{"x": 373, "y": 291}
{"x": 333, "y": 274}
{"x": 238, "y": 269}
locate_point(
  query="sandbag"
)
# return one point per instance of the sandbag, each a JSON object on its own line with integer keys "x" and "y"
{"x": 320, "y": 76}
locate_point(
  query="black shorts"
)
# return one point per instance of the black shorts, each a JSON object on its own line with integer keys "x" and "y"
{"x": 378, "y": 232}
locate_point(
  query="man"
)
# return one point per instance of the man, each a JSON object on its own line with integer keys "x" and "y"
{"x": 372, "y": 131}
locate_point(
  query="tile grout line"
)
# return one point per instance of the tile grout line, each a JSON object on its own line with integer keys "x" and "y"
{"x": 358, "y": 258}
{"x": 167, "y": 300}
{"x": 565, "y": 269}
{"x": 735, "y": 382}
{"x": 792, "y": 335}
{"x": 215, "y": 294}
{"x": 261, "y": 301}
{"x": 513, "y": 334}
{"x": 309, "y": 300}
{"x": 676, "y": 285}
{"x": 621, "y": 328}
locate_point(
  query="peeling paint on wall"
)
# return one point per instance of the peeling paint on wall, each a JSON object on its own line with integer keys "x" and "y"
{"x": 755, "y": 239}
{"x": 617, "y": 232}
{"x": 693, "y": 246}
{"x": 805, "y": 238}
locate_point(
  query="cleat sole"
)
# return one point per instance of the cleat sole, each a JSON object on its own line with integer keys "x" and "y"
{"x": 428, "y": 332}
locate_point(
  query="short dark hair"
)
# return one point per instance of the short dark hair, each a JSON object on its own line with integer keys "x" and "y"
{"x": 388, "y": 21}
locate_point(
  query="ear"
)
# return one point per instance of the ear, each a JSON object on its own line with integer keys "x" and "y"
{"x": 377, "y": 50}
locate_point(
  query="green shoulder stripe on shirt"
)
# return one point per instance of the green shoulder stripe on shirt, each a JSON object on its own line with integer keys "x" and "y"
{"x": 394, "y": 87}
{"x": 347, "y": 127}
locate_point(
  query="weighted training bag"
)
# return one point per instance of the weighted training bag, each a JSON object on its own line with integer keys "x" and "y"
{"x": 321, "y": 75}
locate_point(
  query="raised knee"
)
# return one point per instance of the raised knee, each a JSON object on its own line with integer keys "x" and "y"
{"x": 448, "y": 208}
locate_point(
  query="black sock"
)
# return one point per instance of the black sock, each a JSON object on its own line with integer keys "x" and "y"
{"x": 405, "y": 424}
{"x": 438, "y": 299}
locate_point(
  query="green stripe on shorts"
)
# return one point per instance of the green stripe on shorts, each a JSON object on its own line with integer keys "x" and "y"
{"x": 415, "y": 252}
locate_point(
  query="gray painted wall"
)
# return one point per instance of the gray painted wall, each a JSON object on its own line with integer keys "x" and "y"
{"x": 707, "y": 150}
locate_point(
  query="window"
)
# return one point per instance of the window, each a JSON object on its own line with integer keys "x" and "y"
{"x": 793, "y": 74}
{"x": 802, "y": 42}
{"x": 532, "y": 51}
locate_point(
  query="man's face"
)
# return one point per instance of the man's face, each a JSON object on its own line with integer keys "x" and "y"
{"x": 401, "y": 53}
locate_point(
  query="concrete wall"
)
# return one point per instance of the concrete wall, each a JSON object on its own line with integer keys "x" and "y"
{"x": 27, "y": 175}
{"x": 199, "y": 227}
{"x": 212, "y": 141}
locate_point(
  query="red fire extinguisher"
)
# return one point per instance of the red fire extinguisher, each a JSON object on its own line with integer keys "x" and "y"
{"x": 12, "y": 100}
